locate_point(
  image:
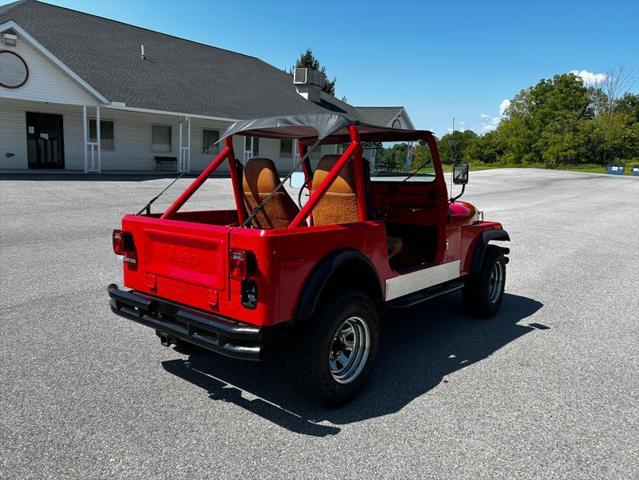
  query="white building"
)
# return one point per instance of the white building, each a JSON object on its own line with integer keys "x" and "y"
{"x": 161, "y": 102}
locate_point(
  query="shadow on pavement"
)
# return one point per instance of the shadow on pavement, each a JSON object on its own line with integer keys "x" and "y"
{"x": 419, "y": 347}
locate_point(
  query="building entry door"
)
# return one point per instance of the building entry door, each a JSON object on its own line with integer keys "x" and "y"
{"x": 45, "y": 142}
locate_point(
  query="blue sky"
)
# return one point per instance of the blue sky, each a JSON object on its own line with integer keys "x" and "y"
{"x": 439, "y": 59}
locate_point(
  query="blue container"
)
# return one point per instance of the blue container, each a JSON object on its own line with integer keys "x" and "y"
{"x": 615, "y": 168}
{"x": 635, "y": 170}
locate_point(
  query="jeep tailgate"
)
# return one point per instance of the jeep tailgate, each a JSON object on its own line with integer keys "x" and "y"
{"x": 179, "y": 261}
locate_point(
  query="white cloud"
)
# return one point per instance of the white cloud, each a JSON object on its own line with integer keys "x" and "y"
{"x": 490, "y": 123}
{"x": 460, "y": 126}
{"x": 590, "y": 78}
{"x": 503, "y": 106}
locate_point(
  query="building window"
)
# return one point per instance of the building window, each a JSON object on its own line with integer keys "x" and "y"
{"x": 209, "y": 141}
{"x": 286, "y": 148}
{"x": 161, "y": 139}
{"x": 251, "y": 146}
{"x": 106, "y": 133}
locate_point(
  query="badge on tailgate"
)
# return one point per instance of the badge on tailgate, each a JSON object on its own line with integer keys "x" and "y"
{"x": 189, "y": 258}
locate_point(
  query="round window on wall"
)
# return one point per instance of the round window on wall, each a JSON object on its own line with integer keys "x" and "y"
{"x": 397, "y": 123}
{"x": 13, "y": 70}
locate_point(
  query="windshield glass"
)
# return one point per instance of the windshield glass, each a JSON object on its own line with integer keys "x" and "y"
{"x": 399, "y": 160}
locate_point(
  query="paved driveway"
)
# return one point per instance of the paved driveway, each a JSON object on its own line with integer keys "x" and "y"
{"x": 548, "y": 389}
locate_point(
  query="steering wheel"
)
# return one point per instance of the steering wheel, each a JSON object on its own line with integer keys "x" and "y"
{"x": 299, "y": 195}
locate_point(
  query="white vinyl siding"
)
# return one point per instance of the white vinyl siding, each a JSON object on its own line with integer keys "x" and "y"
{"x": 46, "y": 83}
{"x": 270, "y": 148}
{"x": 200, "y": 160}
{"x": 13, "y": 133}
{"x": 132, "y": 132}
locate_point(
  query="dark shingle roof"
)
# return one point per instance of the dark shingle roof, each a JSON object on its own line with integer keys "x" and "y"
{"x": 378, "y": 115}
{"x": 178, "y": 75}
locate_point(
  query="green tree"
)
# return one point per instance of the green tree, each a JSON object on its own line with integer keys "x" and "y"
{"x": 613, "y": 137}
{"x": 542, "y": 117}
{"x": 628, "y": 105}
{"x": 308, "y": 60}
{"x": 487, "y": 148}
{"x": 422, "y": 157}
{"x": 393, "y": 158}
{"x": 558, "y": 121}
{"x": 452, "y": 146}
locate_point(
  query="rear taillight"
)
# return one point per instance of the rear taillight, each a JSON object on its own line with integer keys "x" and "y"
{"x": 241, "y": 265}
{"x": 123, "y": 245}
{"x": 238, "y": 264}
{"x": 118, "y": 242}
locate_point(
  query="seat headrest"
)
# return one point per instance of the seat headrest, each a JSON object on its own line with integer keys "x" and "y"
{"x": 260, "y": 175}
{"x": 345, "y": 181}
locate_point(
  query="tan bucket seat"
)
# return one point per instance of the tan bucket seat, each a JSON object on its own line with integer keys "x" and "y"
{"x": 259, "y": 180}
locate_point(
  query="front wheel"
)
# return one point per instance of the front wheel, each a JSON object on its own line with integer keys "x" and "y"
{"x": 333, "y": 354}
{"x": 484, "y": 291}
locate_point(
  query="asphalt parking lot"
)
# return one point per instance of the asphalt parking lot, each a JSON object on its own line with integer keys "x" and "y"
{"x": 548, "y": 389}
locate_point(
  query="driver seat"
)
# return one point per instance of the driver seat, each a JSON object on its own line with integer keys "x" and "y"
{"x": 259, "y": 179}
{"x": 339, "y": 203}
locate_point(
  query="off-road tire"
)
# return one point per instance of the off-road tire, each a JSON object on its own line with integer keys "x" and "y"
{"x": 478, "y": 295}
{"x": 308, "y": 357}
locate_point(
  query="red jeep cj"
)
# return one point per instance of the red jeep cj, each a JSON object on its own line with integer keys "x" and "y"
{"x": 310, "y": 275}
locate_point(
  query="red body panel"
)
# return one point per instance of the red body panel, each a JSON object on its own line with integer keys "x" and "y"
{"x": 183, "y": 257}
{"x": 188, "y": 262}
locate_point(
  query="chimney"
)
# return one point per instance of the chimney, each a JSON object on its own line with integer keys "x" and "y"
{"x": 309, "y": 83}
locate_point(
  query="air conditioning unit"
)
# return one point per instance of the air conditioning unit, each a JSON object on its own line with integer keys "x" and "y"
{"x": 319, "y": 79}
{"x": 308, "y": 76}
{"x": 300, "y": 76}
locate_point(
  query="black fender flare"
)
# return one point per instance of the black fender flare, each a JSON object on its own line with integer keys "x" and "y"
{"x": 482, "y": 243}
{"x": 322, "y": 273}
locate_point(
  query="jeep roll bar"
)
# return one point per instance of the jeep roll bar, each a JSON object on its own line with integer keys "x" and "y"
{"x": 310, "y": 131}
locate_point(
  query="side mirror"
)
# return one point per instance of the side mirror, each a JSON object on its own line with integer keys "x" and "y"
{"x": 460, "y": 173}
{"x": 297, "y": 180}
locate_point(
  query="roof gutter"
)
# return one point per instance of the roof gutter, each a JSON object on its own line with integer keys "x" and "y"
{"x": 124, "y": 107}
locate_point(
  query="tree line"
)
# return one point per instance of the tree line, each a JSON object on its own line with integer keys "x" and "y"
{"x": 558, "y": 121}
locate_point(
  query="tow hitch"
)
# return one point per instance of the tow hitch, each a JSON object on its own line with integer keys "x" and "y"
{"x": 166, "y": 340}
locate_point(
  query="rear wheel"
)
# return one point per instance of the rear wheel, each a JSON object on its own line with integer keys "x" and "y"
{"x": 332, "y": 355}
{"x": 484, "y": 291}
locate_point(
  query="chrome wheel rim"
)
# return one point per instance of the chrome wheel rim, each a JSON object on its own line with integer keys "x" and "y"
{"x": 496, "y": 282}
{"x": 349, "y": 350}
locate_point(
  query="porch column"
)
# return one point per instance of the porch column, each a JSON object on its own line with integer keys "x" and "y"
{"x": 97, "y": 136}
{"x": 84, "y": 137}
{"x": 188, "y": 143}
{"x": 180, "y": 166}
